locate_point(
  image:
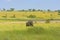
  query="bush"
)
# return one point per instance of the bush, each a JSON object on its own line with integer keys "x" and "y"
{"x": 5, "y": 16}
{"x": 31, "y": 16}
{"x": 13, "y": 16}
{"x": 58, "y": 13}
{"x": 33, "y": 10}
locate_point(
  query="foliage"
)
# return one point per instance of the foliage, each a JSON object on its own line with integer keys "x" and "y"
{"x": 58, "y": 11}
{"x": 31, "y": 16}
{"x": 29, "y": 9}
{"x": 5, "y": 16}
{"x": 12, "y": 9}
{"x": 13, "y": 16}
{"x": 26, "y": 15}
{"x": 48, "y": 10}
{"x": 4, "y": 9}
{"x": 33, "y": 10}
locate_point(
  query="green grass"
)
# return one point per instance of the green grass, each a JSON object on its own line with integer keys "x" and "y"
{"x": 40, "y": 31}
{"x": 19, "y": 31}
{"x": 18, "y": 19}
{"x": 34, "y": 33}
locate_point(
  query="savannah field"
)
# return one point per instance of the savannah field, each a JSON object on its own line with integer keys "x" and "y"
{"x": 13, "y": 25}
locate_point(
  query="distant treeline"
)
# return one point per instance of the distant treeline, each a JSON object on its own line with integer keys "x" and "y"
{"x": 13, "y": 9}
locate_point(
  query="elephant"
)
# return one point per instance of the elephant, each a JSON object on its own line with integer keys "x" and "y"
{"x": 29, "y": 23}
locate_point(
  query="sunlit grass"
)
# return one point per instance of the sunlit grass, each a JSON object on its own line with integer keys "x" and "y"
{"x": 22, "y": 26}
{"x": 19, "y": 31}
{"x": 42, "y": 15}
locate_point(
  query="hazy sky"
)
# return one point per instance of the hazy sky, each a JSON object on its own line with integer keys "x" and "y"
{"x": 30, "y": 4}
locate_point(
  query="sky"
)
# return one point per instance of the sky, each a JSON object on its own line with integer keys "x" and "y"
{"x": 30, "y": 4}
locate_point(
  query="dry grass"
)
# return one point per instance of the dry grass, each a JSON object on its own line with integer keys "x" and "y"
{"x": 38, "y": 14}
{"x": 10, "y": 26}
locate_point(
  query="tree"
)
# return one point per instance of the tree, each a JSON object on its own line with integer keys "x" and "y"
{"x": 29, "y": 10}
{"x": 4, "y": 9}
{"x": 33, "y": 10}
{"x": 39, "y": 10}
{"x": 48, "y": 10}
{"x": 8, "y": 10}
{"x": 11, "y": 9}
{"x": 22, "y": 10}
{"x": 58, "y": 11}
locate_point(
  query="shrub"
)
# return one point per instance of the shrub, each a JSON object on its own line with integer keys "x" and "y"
{"x": 13, "y": 16}
{"x": 31, "y": 16}
{"x": 58, "y": 13}
{"x": 5, "y": 16}
{"x": 12, "y": 9}
{"x": 33, "y": 10}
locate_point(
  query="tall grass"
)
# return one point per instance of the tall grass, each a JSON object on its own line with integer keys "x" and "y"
{"x": 34, "y": 33}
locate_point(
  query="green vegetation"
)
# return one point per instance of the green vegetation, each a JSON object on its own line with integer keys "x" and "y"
{"x": 31, "y": 34}
{"x": 28, "y": 14}
{"x": 5, "y": 16}
{"x": 13, "y": 16}
{"x": 19, "y": 31}
{"x": 31, "y": 16}
{"x": 13, "y": 24}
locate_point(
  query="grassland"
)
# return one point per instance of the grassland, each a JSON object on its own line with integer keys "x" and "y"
{"x": 40, "y": 31}
{"x": 16, "y": 29}
{"x": 23, "y": 15}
